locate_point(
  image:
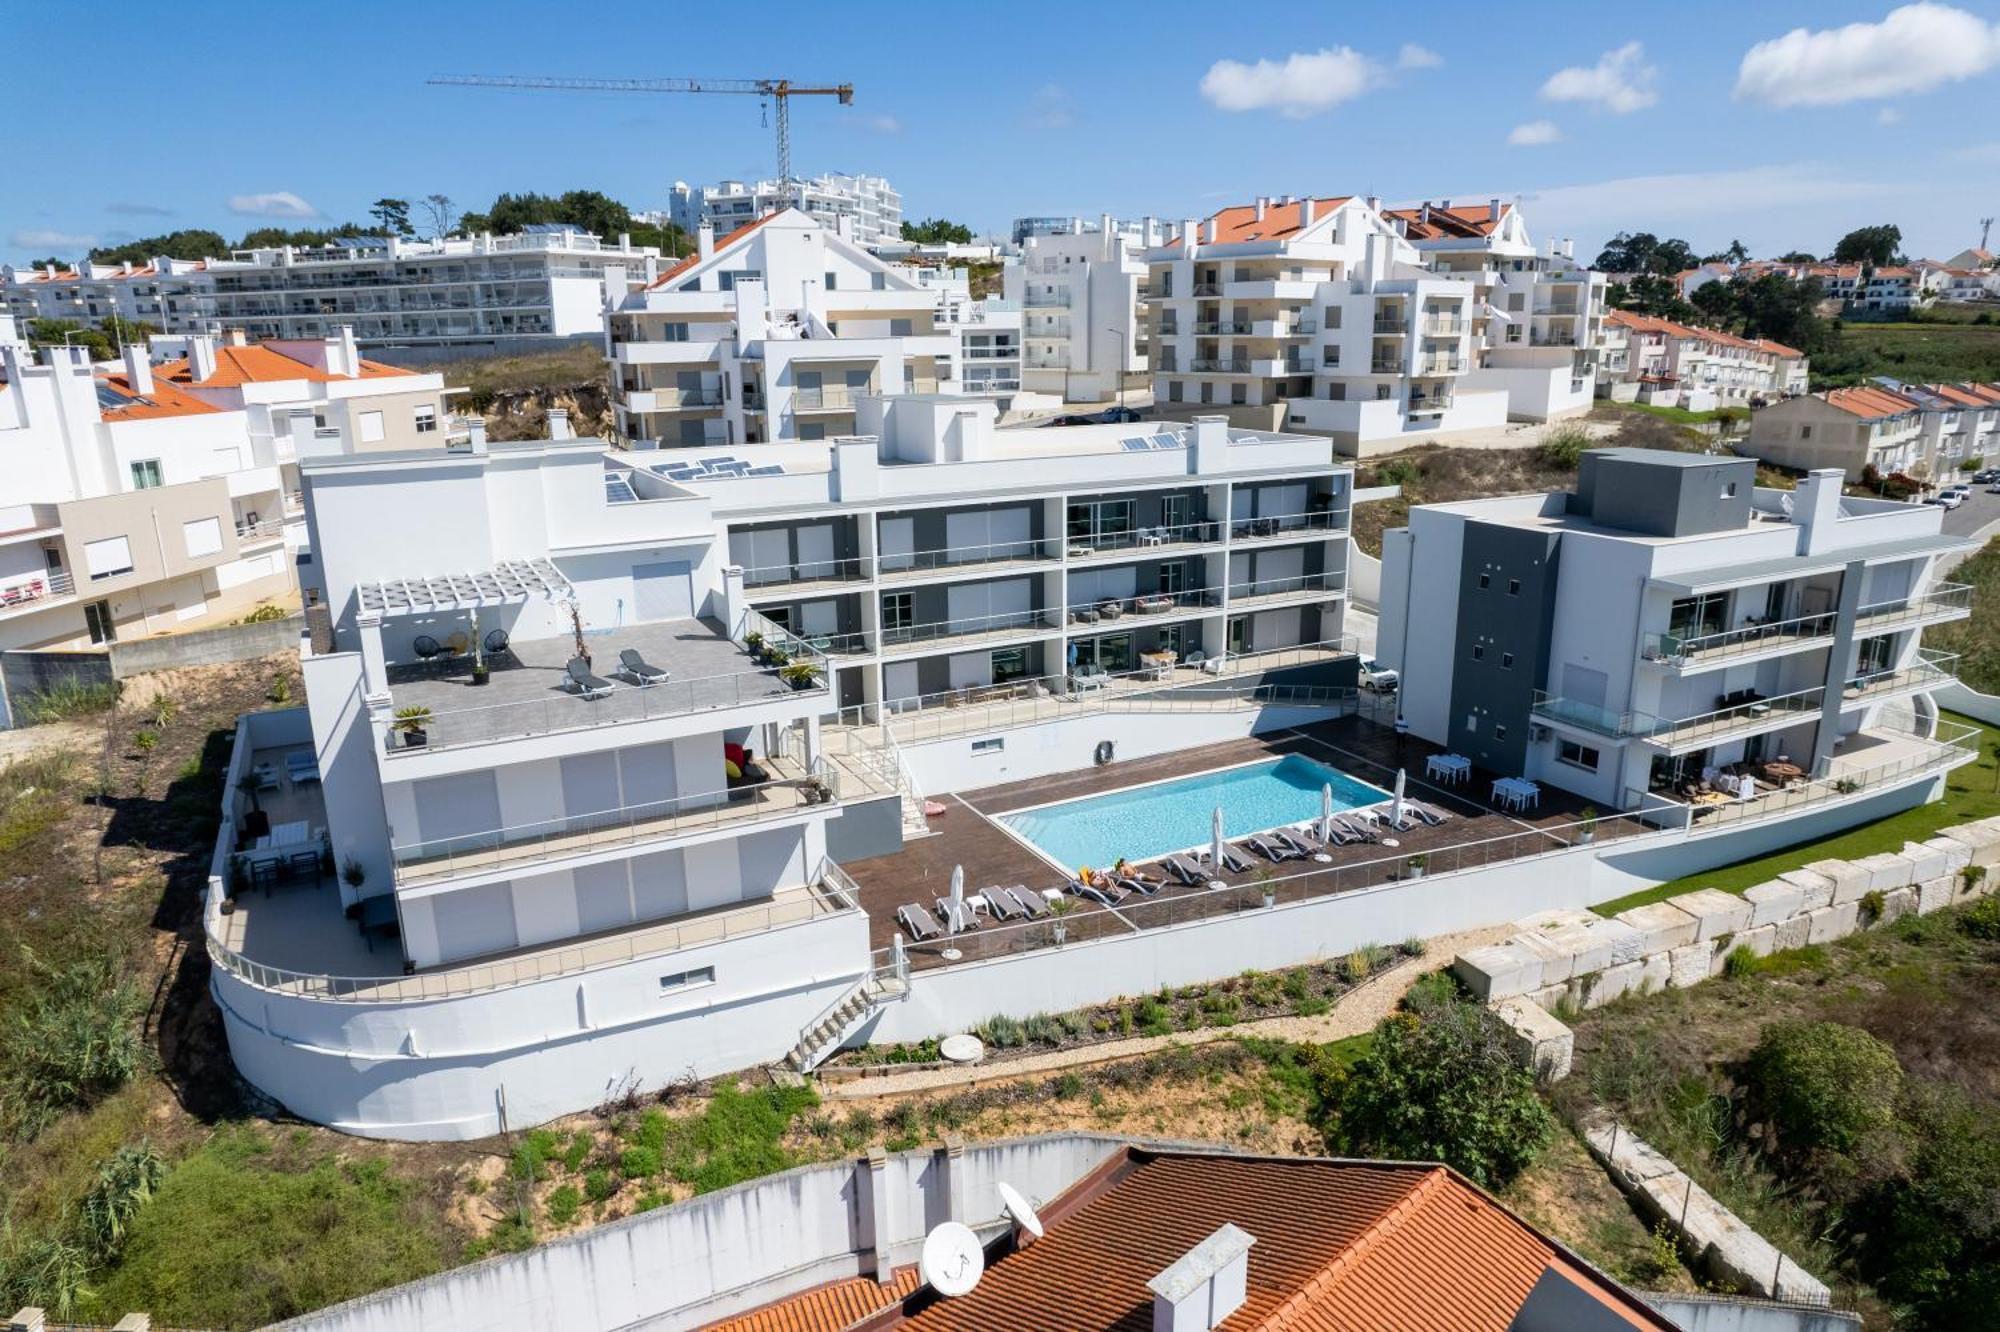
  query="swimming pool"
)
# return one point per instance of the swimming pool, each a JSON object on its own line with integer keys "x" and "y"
{"x": 1141, "y": 822}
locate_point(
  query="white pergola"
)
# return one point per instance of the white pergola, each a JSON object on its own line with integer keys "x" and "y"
{"x": 508, "y": 583}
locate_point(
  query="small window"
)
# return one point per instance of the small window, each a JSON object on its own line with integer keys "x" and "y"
{"x": 1472, "y": 723}
{"x": 1499, "y": 733}
{"x": 1506, "y": 661}
{"x": 203, "y": 536}
{"x": 427, "y": 420}
{"x": 1576, "y": 755}
{"x": 107, "y": 558}
{"x": 1513, "y": 587}
{"x": 989, "y": 746}
{"x": 687, "y": 980}
{"x": 832, "y": 281}
{"x": 146, "y": 475}
{"x": 900, "y": 328}
{"x": 1485, "y": 580}
{"x": 371, "y": 427}
{"x": 1479, "y": 652}
{"x": 1805, "y": 432}
{"x": 1729, "y": 491}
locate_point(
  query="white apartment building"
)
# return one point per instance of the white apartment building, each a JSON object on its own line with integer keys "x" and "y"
{"x": 776, "y": 332}
{"x": 1923, "y": 432}
{"x": 1670, "y": 630}
{"x": 172, "y": 295}
{"x": 1324, "y": 315}
{"x": 989, "y": 330}
{"x": 1084, "y": 321}
{"x": 1653, "y": 360}
{"x": 145, "y": 498}
{"x": 871, "y": 206}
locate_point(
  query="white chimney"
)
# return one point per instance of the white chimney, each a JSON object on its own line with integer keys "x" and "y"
{"x": 1263, "y": 204}
{"x": 138, "y": 370}
{"x": 1308, "y": 210}
{"x": 1205, "y": 1285}
{"x": 559, "y": 424}
{"x": 1188, "y": 238}
{"x": 201, "y": 357}
{"x": 1375, "y": 203}
{"x": 1211, "y": 230}
{"x": 235, "y": 337}
{"x": 624, "y": 240}
{"x": 475, "y": 435}
{"x": 704, "y": 240}
{"x": 1493, "y": 209}
{"x": 1424, "y": 212}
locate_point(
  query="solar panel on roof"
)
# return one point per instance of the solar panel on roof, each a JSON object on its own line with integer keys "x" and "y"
{"x": 618, "y": 490}
{"x": 770, "y": 469}
{"x": 1166, "y": 441}
{"x": 1133, "y": 445}
{"x": 716, "y": 462}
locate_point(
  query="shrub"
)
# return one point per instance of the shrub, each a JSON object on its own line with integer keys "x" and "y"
{"x": 1981, "y": 920}
{"x": 65, "y": 698}
{"x": 640, "y": 1162}
{"x": 1825, "y": 1086}
{"x": 1873, "y": 904}
{"x": 74, "y": 1042}
{"x": 1354, "y": 968}
{"x": 573, "y": 1156}
{"x": 1414, "y": 947}
{"x": 1067, "y": 1085}
{"x": 1001, "y": 1032}
{"x": 123, "y": 1185}
{"x": 145, "y": 741}
{"x": 164, "y": 710}
{"x": 1439, "y": 1083}
{"x": 1399, "y": 472}
{"x": 1740, "y": 962}
{"x": 564, "y": 1203}
{"x": 281, "y": 689}
{"x": 264, "y": 613}
{"x": 1563, "y": 446}
{"x": 599, "y": 1185}
{"x": 1041, "y": 1029}
{"x": 48, "y": 1271}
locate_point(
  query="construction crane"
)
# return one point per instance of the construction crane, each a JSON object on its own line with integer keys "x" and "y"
{"x": 780, "y": 91}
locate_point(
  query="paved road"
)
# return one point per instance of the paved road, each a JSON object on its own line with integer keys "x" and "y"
{"x": 1974, "y": 514}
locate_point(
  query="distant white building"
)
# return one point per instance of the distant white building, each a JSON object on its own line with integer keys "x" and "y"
{"x": 774, "y": 332}
{"x": 173, "y": 295}
{"x": 1083, "y": 320}
{"x": 870, "y": 202}
{"x": 989, "y": 331}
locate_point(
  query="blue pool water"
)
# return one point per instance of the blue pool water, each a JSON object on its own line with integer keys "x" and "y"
{"x": 1141, "y": 822}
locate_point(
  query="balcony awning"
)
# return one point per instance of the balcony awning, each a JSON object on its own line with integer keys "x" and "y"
{"x": 1495, "y": 312}
{"x": 507, "y": 583}
{"x": 1799, "y": 566}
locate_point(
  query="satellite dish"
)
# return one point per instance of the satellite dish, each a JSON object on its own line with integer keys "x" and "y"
{"x": 1014, "y": 1205}
{"x": 952, "y": 1261}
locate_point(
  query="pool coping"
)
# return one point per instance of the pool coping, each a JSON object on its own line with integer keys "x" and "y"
{"x": 1000, "y": 820}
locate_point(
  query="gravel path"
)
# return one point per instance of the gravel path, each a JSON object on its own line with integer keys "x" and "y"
{"x": 1358, "y": 1011}
{"x": 24, "y": 741}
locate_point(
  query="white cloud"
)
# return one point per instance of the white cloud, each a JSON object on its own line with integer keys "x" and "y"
{"x": 1413, "y": 56}
{"x": 39, "y": 238}
{"x": 1534, "y": 134}
{"x": 278, "y": 203}
{"x": 1621, "y": 81}
{"x": 1658, "y": 202}
{"x": 1303, "y": 84}
{"x": 1914, "y": 49}
{"x": 882, "y": 124}
{"x": 1888, "y": 115}
{"x": 138, "y": 210}
{"x": 1050, "y": 108}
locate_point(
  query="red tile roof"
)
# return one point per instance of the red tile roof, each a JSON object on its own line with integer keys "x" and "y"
{"x": 1870, "y": 403}
{"x": 1964, "y": 397}
{"x": 721, "y": 245}
{"x": 258, "y": 364}
{"x": 1341, "y": 1246}
{"x": 1239, "y": 223}
{"x": 834, "y": 1307}
{"x": 1653, "y": 324}
{"x": 1433, "y": 222}
{"x": 164, "y": 400}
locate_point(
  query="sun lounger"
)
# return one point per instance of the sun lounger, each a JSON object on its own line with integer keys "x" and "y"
{"x": 970, "y": 916}
{"x": 1034, "y": 904}
{"x": 1302, "y": 843}
{"x": 1102, "y": 894}
{"x": 1428, "y": 812}
{"x": 1233, "y": 860}
{"x": 637, "y": 671}
{"x": 1361, "y": 830}
{"x": 1185, "y": 870}
{"x": 918, "y": 922}
{"x": 1003, "y": 904}
{"x": 581, "y": 681}
{"x": 1132, "y": 883}
{"x": 1273, "y": 851}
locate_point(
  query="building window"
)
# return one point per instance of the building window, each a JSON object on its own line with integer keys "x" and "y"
{"x": 1729, "y": 491}
{"x": 1239, "y": 394}
{"x": 1805, "y": 432}
{"x": 686, "y": 980}
{"x": 1173, "y": 390}
{"x": 675, "y": 332}
{"x": 1499, "y": 733}
{"x": 1479, "y": 652}
{"x": 1576, "y": 755}
{"x": 107, "y": 558}
{"x": 1513, "y": 587}
{"x": 427, "y": 420}
{"x": 146, "y": 475}
{"x": 1010, "y": 664}
{"x": 992, "y": 745}
{"x": 1331, "y": 317}
{"x": 1485, "y": 580}
{"x": 832, "y": 281}
{"x": 97, "y": 618}
{"x": 900, "y": 328}
{"x": 203, "y": 536}
{"x": 371, "y": 427}
{"x": 898, "y": 611}
{"x": 1506, "y": 661}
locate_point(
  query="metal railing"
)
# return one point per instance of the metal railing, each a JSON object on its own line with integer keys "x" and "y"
{"x": 829, "y": 894}
{"x": 1206, "y": 290}
{"x": 1386, "y": 365}
{"x": 1675, "y": 649}
{"x": 1392, "y": 324}
{"x": 844, "y": 569}
{"x": 1590, "y": 716}
{"x": 1082, "y": 545}
{"x": 833, "y": 399}
{"x": 1216, "y": 365}
{"x": 1205, "y": 327}
{"x": 1272, "y": 588}
{"x": 1930, "y": 671}
{"x": 1113, "y": 609}
{"x": 905, "y": 564}
{"x": 261, "y": 529}
{"x": 1280, "y": 525}
{"x": 1008, "y": 622}
{"x": 1439, "y": 365}
{"x": 1443, "y": 328}
{"x": 1430, "y": 402}
{"x": 1737, "y": 717}
{"x": 629, "y": 825}
{"x": 35, "y": 588}
{"x": 1058, "y": 298}
{"x": 1943, "y": 599}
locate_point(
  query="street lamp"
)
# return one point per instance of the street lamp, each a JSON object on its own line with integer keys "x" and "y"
{"x": 1124, "y": 349}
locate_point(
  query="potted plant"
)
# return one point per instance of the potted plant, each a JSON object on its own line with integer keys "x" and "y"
{"x": 1265, "y": 875}
{"x": 1414, "y": 867}
{"x": 800, "y": 675}
{"x": 480, "y": 673}
{"x": 1059, "y": 908}
{"x": 1586, "y": 829}
{"x": 753, "y": 643}
{"x": 576, "y": 631}
{"x": 776, "y": 657}
{"x": 411, "y": 721}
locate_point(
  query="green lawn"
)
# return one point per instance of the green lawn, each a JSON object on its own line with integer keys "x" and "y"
{"x": 1977, "y": 640}
{"x": 1920, "y": 353}
{"x": 1969, "y": 795}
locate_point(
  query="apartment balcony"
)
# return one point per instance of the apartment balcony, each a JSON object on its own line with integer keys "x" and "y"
{"x": 1286, "y": 591}
{"x": 1277, "y": 529}
{"x": 1429, "y": 404}
{"x": 671, "y": 400}
{"x": 1211, "y": 365}
{"x": 260, "y": 533}
{"x": 1155, "y": 605}
{"x": 1444, "y": 328}
{"x": 771, "y": 580}
{"x": 992, "y": 385}
{"x": 1560, "y": 309}
{"x": 1386, "y": 365}
{"x": 708, "y": 677}
{"x": 835, "y": 399}
{"x": 1206, "y": 290}
{"x": 1048, "y": 362}
{"x": 1945, "y": 601}
{"x": 909, "y": 639}
{"x": 1438, "y": 365}
{"x": 1110, "y": 547}
{"x": 34, "y": 591}
{"x": 1271, "y": 289}
{"x": 991, "y": 353}
{"x": 1686, "y": 653}
{"x": 1552, "y": 339}
{"x": 792, "y": 796}
{"x": 1553, "y": 709}
{"x": 1213, "y": 327}
{"x": 1057, "y": 298}
{"x": 1931, "y": 670}
{"x": 1735, "y": 721}
{"x": 928, "y": 564}
{"x": 1297, "y": 328}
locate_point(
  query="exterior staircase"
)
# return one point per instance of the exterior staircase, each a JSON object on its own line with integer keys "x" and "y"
{"x": 883, "y": 766}
{"x": 878, "y": 986}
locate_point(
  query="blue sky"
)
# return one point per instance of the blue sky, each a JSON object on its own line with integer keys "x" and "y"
{"x": 1722, "y": 121}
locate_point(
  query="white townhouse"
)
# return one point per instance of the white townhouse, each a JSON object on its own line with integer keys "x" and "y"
{"x": 1669, "y": 630}
{"x": 1852, "y": 429}
{"x": 870, "y": 204}
{"x": 1654, "y": 360}
{"x": 172, "y": 295}
{"x": 545, "y": 892}
{"x": 775, "y": 332}
{"x": 1084, "y": 317}
{"x": 144, "y": 498}
{"x": 1961, "y": 424}
{"x": 1324, "y": 315}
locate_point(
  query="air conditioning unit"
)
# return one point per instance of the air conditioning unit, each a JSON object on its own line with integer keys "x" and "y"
{"x": 1537, "y": 733}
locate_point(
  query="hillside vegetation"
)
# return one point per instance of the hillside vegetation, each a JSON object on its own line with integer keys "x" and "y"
{"x": 1935, "y": 350}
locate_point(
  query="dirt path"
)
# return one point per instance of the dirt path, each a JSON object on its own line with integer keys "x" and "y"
{"x": 27, "y": 741}
{"x": 1356, "y": 1012}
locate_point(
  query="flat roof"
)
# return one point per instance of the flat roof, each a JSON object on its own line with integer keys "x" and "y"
{"x": 1791, "y": 566}
{"x": 1666, "y": 457}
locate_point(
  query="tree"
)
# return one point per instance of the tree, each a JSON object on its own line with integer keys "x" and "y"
{"x": 672, "y": 241}
{"x": 186, "y": 244}
{"x": 1826, "y": 1086}
{"x": 586, "y": 210}
{"x": 937, "y": 231}
{"x": 1797, "y": 257}
{"x": 1652, "y": 294}
{"x": 1875, "y": 246}
{"x": 1717, "y": 302}
{"x": 393, "y": 215}
{"x": 439, "y": 213}
{"x": 1441, "y": 1084}
{"x": 1784, "y": 310}
{"x": 67, "y": 332}
{"x": 270, "y": 238}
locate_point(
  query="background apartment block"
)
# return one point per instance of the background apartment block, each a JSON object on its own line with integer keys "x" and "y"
{"x": 870, "y": 204}
{"x": 162, "y": 496}
{"x": 1922, "y": 432}
{"x": 1647, "y": 359}
{"x": 1666, "y": 621}
{"x": 1324, "y": 315}
{"x": 1084, "y": 324}
{"x": 774, "y": 333}
{"x": 173, "y": 295}
{"x": 989, "y": 330}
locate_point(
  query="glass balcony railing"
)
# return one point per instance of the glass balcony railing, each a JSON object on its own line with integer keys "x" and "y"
{"x": 1930, "y": 670}
{"x": 1945, "y": 601}
{"x": 1678, "y": 649}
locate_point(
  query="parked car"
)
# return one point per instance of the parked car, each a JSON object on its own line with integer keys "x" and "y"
{"x": 1946, "y": 499}
{"x": 1109, "y": 416}
{"x": 1993, "y": 489}
{"x": 1986, "y": 476}
{"x": 1378, "y": 678}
